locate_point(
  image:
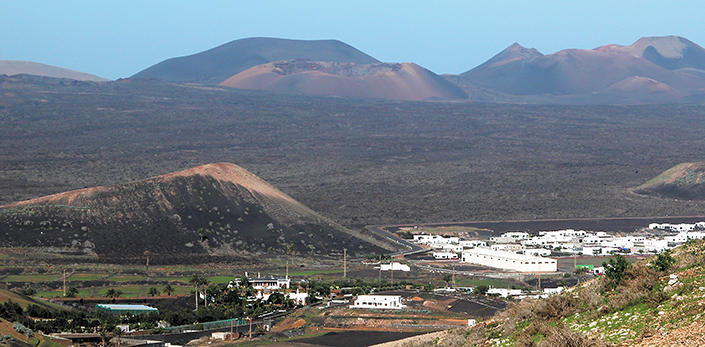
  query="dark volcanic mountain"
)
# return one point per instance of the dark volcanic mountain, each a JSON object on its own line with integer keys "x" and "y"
{"x": 684, "y": 181}
{"x": 215, "y": 209}
{"x": 216, "y": 65}
{"x": 652, "y": 70}
{"x": 14, "y": 67}
{"x": 400, "y": 81}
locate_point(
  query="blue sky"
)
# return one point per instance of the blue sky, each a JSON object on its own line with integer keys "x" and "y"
{"x": 115, "y": 39}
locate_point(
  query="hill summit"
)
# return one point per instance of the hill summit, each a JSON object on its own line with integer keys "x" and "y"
{"x": 214, "y": 209}
{"x": 217, "y": 64}
{"x": 683, "y": 181}
{"x": 401, "y": 81}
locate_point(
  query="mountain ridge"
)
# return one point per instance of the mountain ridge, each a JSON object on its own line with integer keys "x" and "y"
{"x": 18, "y": 67}
{"x": 215, "y": 65}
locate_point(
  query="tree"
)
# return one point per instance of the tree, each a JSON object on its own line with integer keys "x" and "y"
{"x": 168, "y": 289}
{"x": 153, "y": 291}
{"x": 663, "y": 262}
{"x": 71, "y": 292}
{"x": 110, "y": 293}
{"x": 198, "y": 280}
{"x": 118, "y": 332}
{"x": 481, "y": 289}
{"x": 615, "y": 269}
{"x": 447, "y": 278}
{"x": 146, "y": 254}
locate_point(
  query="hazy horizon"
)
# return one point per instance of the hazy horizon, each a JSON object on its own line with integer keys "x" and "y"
{"x": 449, "y": 37}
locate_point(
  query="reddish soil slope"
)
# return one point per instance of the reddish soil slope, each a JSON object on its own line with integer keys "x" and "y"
{"x": 405, "y": 81}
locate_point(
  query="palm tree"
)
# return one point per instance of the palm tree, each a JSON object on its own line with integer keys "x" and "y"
{"x": 153, "y": 291}
{"x": 196, "y": 280}
{"x": 118, "y": 332}
{"x": 146, "y": 254}
{"x": 168, "y": 289}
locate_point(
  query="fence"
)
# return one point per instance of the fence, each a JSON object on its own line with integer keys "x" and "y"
{"x": 207, "y": 325}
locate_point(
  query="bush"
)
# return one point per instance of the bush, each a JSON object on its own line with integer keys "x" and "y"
{"x": 663, "y": 262}
{"x": 614, "y": 270}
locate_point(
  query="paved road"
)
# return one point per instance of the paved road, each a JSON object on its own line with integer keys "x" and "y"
{"x": 412, "y": 247}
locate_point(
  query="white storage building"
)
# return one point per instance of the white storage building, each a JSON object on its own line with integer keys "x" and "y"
{"x": 509, "y": 261}
{"x": 390, "y": 302}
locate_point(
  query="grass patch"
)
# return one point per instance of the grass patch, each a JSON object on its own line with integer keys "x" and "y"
{"x": 126, "y": 278}
{"x": 85, "y": 277}
{"x": 170, "y": 279}
{"x": 220, "y": 279}
{"x": 127, "y": 291}
{"x": 31, "y": 278}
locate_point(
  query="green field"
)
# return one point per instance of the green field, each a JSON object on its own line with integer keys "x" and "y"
{"x": 32, "y": 278}
{"x": 220, "y": 279}
{"x": 170, "y": 279}
{"x": 126, "y": 278}
{"x": 85, "y": 277}
{"x": 127, "y": 291}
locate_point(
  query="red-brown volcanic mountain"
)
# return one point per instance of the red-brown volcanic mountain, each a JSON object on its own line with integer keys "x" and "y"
{"x": 217, "y": 64}
{"x": 401, "y": 81}
{"x": 14, "y": 67}
{"x": 216, "y": 209}
{"x": 669, "y": 52}
{"x": 609, "y": 72}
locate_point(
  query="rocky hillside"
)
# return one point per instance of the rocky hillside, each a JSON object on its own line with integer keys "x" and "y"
{"x": 215, "y": 209}
{"x": 683, "y": 181}
{"x": 654, "y": 302}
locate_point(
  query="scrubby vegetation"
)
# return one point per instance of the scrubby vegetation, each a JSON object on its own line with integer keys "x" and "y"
{"x": 630, "y": 303}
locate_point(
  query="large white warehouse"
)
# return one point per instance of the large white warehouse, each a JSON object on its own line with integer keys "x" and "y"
{"x": 509, "y": 260}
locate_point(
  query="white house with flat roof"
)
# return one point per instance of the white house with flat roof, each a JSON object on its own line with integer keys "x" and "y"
{"x": 387, "y": 302}
{"x": 509, "y": 260}
{"x": 270, "y": 283}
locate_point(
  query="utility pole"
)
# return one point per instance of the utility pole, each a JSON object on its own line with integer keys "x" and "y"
{"x": 64, "y": 282}
{"x": 454, "y": 276}
{"x": 379, "y": 282}
{"x": 345, "y": 262}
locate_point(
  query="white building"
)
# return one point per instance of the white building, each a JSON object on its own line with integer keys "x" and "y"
{"x": 537, "y": 252}
{"x": 452, "y": 248}
{"x": 472, "y": 243}
{"x": 445, "y": 255}
{"x": 435, "y": 239}
{"x": 511, "y": 237}
{"x": 390, "y": 302}
{"x": 270, "y": 283}
{"x": 507, "y": 247}
{"x": 299, "y": 298}
{"x": 503, "y": 292}
{"x": 395, "y": 267}
{"x": 677, "y": 227}
{"x": 684, "y": 236}
{"x": 509, "y": 261}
